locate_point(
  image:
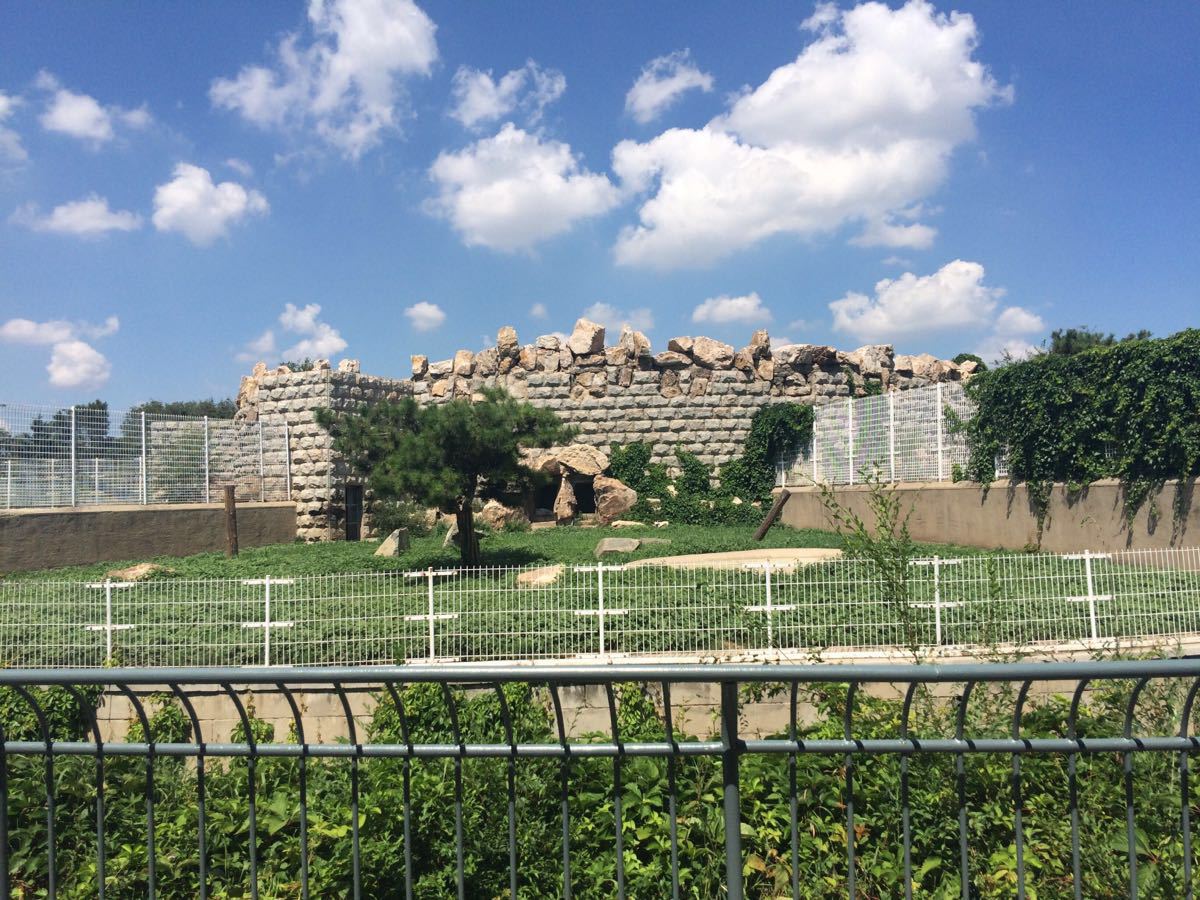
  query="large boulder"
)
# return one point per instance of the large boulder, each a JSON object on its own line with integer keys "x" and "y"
{"x": 582, "y": 458}
{"x": 635, "y": 342}
{"x": 541, "y": 576}
{"x": 680, "y": 344}
{"x": 565, "y": 504}
{"x": 498, "y": 516}
{"x": 712, "y": 354}
{"x": 140, "y": 572}
{"x": 506, "y": 342}
{"x": 394, "y": 544}
{"x": 464, "y": 361}
{"x": 613, "y": 498}
{"x": 587, "y": 338}
{"x": 420, "y": 365}
{"x": 672, "y": 359}
{"x": 616, "y": 545}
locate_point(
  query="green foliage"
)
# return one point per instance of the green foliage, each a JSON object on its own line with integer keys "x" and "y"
{"x": 299, "y": 365}
{"x": 776, "y": 430}
{"x": 1123, "y": 410}
{"x": 631, "y": 465}
{"x": 1069, "y": 341}
{"x": 213, "y": 408}
{"x": 385, "y": 784}
{"x": 444, "y": 455}
{"x": 972, "y": 357}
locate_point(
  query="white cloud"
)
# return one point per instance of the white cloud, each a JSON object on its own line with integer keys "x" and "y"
{"x": 425, "y": 316}
{"x": 83, "y": 116}
{"x": 240, "y": 166}
{"x": 883, "y": 231}
{"x": 1010, "y": 335}
{"x": 614, "y": 319}
{"x": 344, "y": 79}
{"x": 898, "y": 261}
{"x": 89, "y": 217}
{"x": 480, "y": 99}
{"x": 539, "y": 311}
{"x": 747, "y": 309}
{"x": 952, "y": 298}
{"x": 77, "y": 364}
{"x": 663, "y": 81}
{"x": 202, "y": 211}
{"x": 855, "y": 131}
{"x": 318, "y": 340}
{"x": 513, "y": 190}
{"x": 11, "y": 148}
{"x": 73, "y": 362}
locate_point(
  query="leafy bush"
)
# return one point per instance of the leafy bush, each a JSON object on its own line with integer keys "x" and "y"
{"x": 777, "y": 430}
{"x": 1123, "y": 410}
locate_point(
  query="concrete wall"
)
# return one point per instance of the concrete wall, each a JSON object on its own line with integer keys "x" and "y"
{"x": 45, "y": 538}
{"x": 1094, "y": 519}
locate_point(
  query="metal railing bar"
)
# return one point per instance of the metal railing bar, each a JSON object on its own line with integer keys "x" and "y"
{"x": 731, "y": 747}
{"x": 251, "y": 754}
{"x": 565, "y": 772}
{"x": 960, "y": 778}
{"x": 302, "y": 773}
{"x": 848, "y": 797}
{"x": 355, "y": 846}
{"x": 406, "y": 787}
{"x": 90, "y": 711}
{"x": 905, "y": 800}
{"x": 672, "y": 788}
{"x": 1127, "y": 766}
{"x": 201, "y": 811}
{"x": 598, "y": 675}
{"x": 507, "y": 723}
{"x": 459, "y": 755}
{"x": 1018, "y": 822}
{"x": 584, "y": 749}
{"x": 1073, "y": 789}
{"x": 618, "y": 759}
{"x": 48, "y": 770}
{"x": 1185, "y": 804}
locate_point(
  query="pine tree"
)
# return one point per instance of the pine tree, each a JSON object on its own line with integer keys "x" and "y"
{"x": 444, "y": 455}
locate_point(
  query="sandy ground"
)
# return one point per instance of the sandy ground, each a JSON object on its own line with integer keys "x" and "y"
{"x": 784, "y": 559}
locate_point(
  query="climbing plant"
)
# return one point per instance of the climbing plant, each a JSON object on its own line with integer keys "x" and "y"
{"x": 1126, "y": 410}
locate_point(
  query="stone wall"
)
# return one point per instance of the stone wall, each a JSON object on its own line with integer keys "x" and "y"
{"x": 699, "y": 393}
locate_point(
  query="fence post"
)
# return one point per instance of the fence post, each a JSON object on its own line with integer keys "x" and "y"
{"x": 892, "y": 435}
{"x": 8, "y": 485}
{"x": 770, "y": 608}
{"x": 939, "y": 416}
{"x": 731, "y": 747}
{"x": 850, "y": 434}
{"x": 600, "y": 611}
{"x": 266, "y": 624}
{"x": 145, "y": 498}
{"x": 206, "y": 462}
{"x": 813, "y": 455}
{"x": 72, "y": 456}
{"x": 1091, "y": 597}
{"x": 108, "y": 627}
{"x": 287, "y": 456}
{"x": 937, "y": 563}
{"x": 262, "y": 470}
{"x": 430, "y": 574}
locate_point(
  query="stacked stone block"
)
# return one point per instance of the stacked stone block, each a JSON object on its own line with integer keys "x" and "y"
{"x": 699, "y": 393}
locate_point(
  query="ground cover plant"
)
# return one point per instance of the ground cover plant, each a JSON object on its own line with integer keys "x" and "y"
{"x": 934, "y": 792}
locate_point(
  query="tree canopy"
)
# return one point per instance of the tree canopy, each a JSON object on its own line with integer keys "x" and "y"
{"x": 444, "y": 455}
{"x": 1069, "y": 341}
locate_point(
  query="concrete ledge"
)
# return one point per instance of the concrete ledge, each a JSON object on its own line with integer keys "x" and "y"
{"x": 47, "y": 538}
{"x": 949, "y": 513}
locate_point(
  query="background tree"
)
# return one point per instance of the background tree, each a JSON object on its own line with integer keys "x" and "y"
{"x": 444, "y": 455}
{"x": 1069, "y": 341}
{"x": 972, "y": 357}
{"x": 212, "y": 407}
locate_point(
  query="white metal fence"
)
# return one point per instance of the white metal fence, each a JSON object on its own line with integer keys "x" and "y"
{"x": 902, "y": 435}
{"x": 85, "y": 456}
{"x": 600, "y": 612}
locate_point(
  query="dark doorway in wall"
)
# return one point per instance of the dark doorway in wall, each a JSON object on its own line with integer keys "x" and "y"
{"x": 585, "y": 495}
{"x": 354, "y": 512}
{"x": 543, "y": 498}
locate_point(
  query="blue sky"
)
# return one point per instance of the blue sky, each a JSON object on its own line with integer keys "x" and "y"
{"x": 182, "y": 184}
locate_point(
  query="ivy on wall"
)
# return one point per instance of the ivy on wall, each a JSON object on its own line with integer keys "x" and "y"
{"x": 692, "y": 497}
{"x": 1129, "y": 411}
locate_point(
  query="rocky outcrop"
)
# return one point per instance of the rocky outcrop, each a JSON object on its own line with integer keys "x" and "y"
{"x": 497, "y": 516}
{"x": 613, "y": 498}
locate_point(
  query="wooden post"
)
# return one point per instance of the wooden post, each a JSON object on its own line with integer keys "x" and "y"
{"x": 776, "y": 509}
{"x": 231, "y": 539}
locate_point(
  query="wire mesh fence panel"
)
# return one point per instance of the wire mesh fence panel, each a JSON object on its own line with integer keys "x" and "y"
{"x": 91, "y": 455}
{"x": 910, "y": 435}
{"x": 564, "y": 612}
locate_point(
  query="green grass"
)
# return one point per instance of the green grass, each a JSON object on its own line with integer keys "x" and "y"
{"x": 348, "y": 606}
{"x": 573, "y": 545}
